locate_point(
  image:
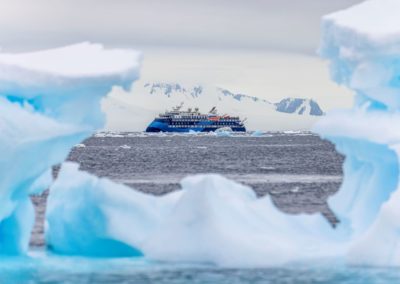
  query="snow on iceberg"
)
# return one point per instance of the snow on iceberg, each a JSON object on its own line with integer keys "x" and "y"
{"x": 363, "y": 45}
{"x": 379, "y": 246}
{"x": 212, "y": 220}
{"x": 219, "y": 221}
{"x": 49, "y": 102}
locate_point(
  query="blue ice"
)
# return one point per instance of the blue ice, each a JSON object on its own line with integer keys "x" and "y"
{"x": 50, "y": 101}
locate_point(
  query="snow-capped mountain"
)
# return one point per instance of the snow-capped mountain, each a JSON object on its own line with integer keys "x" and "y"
{"x": 241, "y": 97}
{"x": 134, "y": 111}
{"x": 299, "y": 106}
{"x": 171, "y": 89}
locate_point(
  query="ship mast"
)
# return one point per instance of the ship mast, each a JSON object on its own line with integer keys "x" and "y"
{"x": 213, "y": 110}
{"x": 177, "y": 108}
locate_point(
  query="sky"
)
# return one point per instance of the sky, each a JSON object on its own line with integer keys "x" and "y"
{"x": 286, "y": 25}
{"x": 264, "y": 48}
{"x": 272, "y": 75}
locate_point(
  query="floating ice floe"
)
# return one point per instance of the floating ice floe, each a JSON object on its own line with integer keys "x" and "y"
{"x": 125, "y": 146}
{"x": 109, "y": 134}
{"x": 80, "y": 146}
{"x": 192, "y": 132}
{"x": 257, "y": 133}
{"x": 223, "y": 132}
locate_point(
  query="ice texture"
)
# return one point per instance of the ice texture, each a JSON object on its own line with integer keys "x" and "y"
{"x": 219, "y": 221}
{"x": 49, "y": 101}
{"x": 94, "y": 216}
{"x": 211, "y": 220}
{"x": 363, "y": 46}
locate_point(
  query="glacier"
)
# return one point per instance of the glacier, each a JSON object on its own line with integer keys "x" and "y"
{"x": 49, "y": 101}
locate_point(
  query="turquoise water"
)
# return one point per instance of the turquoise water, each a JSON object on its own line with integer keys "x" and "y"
{"x": 44, "y": 268}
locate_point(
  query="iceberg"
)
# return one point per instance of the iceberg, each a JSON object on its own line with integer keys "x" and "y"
{"x": 223, "y": 132}
{"x": 49, "y": 102}
{"x": 211, "y": 220}
{"x": 222, "y": 222}
{"x": 93, "y": 216}
{"x": 257, "y": 133}
{"x": 363, "y": 46}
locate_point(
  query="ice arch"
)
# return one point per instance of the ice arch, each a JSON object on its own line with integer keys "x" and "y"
{"x": 216, "y": 220}
{"x": 45, "y": 108}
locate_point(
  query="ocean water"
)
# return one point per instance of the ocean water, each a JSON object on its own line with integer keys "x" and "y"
{"x": 48, "y": 269}
{"x": 298, "y": 170}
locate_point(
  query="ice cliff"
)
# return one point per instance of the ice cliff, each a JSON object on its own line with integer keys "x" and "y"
{"x": 49, "y": 101}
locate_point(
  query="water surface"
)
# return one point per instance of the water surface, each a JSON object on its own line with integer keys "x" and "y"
{"x": 299, "y": 172}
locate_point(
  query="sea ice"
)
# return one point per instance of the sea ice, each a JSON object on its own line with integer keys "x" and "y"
{"x": 125, "y": 147}
{"x": 80, "y": 145}
{"x": 223, "y": 132}
{"x": 257, "y": 133}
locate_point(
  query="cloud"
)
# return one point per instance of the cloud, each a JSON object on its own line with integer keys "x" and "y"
{"x": 256, "y": 24}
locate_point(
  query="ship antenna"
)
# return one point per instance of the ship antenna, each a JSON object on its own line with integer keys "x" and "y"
{"x": 213, "y": 110}
{"x": 177, "y": 108}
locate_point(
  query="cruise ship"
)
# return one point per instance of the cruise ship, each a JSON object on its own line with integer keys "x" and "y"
{"x": 179, "y": 120}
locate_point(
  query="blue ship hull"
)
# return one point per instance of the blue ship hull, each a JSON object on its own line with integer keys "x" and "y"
{"x": 202, "y": 126}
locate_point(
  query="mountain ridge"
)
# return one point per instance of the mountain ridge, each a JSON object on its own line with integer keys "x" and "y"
{"x": 290, "y": 105}
{"x": 135, "y": 109}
